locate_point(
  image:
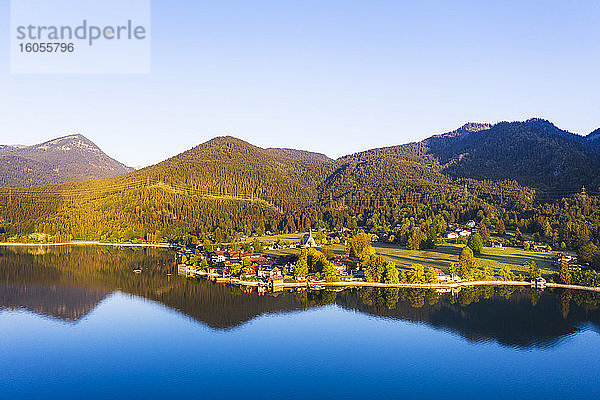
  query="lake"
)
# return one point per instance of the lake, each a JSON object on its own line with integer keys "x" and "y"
{"x": 77, "y": 322}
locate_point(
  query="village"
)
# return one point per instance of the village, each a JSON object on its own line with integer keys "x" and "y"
{"x": 257, "y": 271}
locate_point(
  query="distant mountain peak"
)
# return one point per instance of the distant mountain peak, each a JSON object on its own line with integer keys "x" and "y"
{"x": 469, "y": 127}
{"x": 475, "y": 127}
{"x": 538, "y": 120}
{"x": 69, "y": 143}
{"x": 69, "y": 158}
{"x": 543, "y": 124}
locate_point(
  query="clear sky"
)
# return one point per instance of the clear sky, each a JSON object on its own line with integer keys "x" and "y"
{"x": 323, "y": 75}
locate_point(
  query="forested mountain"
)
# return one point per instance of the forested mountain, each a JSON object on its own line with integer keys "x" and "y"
{"x": 224, "y": 183}
{"x": 68, "y": 159}
{"x": 535, "y": 153}
{"x": 504, "y": 172}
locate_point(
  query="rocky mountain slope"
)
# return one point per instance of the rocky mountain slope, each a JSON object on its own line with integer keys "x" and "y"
{"x": 71, "y": 158}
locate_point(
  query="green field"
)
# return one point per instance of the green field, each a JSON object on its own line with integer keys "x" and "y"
{"x": 443, "y": 255}
{"x": 440, "y": 257}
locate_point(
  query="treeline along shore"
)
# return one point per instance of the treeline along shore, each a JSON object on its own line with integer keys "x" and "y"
{"x": 353, "y": 284}
{"x": 86, "y": 243}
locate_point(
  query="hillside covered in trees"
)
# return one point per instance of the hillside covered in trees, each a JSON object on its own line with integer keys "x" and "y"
{"x": 524, "y": 175}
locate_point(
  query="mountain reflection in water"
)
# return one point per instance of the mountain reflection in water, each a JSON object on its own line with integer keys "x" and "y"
{"x": 68, "y": 282}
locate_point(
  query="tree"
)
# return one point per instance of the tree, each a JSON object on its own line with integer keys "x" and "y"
{"x": 360, "y": 246}
{"x": 329, "y": 273}
{"x": 417, "y": 275}
{"x": 375, "y": 269}
{"x": 547, "y": 229}
{"x": 235, "y": 269}
{"x": 465, "y": 261}
{"x": 587, "y": 252}
{"x": 430, "y": 275}
{"x": 484, "y": 232}
{"x": 564, "y": 275}
{"x": 391, "y": 274}
{"x": 416, "y": 239}
{"x": 301, "y": 268}
{"x": 518, "y": 234}
{"x": 203, "y": 264}
{"x": 526, "y": 246}
{"x": 506, "y": 274}
{"x": 258, "y": 246}
{"x": 207, "y": 246}
{"x": 475, "y": 243}
{"x": 452, "y": 268}
{"x": 500, "y": 228}
{"x": 403, "y": 278}
{"x": 329, "y": 253}
{"x": 534, "y": 270}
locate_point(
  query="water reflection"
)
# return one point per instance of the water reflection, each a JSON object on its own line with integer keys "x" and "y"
{"x": 67, "y": 283}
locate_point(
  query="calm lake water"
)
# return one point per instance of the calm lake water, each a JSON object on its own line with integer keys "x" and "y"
{"x": 79, "y": 323}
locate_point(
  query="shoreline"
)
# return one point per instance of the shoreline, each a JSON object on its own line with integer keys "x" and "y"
{"x": 338, "y": 284}
{"x": 85, "y": 243}
{"x": 349, "y": 284}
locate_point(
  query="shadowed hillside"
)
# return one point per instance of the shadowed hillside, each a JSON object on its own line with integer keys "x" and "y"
{"x": 68, "y": 159}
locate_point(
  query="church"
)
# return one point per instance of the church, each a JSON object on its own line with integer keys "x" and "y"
{"x": 308, "y": 240}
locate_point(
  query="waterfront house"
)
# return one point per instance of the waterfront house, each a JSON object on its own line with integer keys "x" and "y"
{"x": 358, "y": 272}
{"x": 268, "y": 272}
{"x": 340, "y": 267}
{"x": 538, "y": 283}
{"x": 212, "y": 270}
{"x": 440, "y": 276}
{"x": 276, "y": 283}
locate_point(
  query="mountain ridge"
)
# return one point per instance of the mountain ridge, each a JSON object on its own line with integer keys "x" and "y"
{"x": 230, "y": 184}
{"x": 70, "y": 158}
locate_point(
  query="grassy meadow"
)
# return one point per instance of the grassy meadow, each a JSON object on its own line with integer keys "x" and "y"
{"x": 440, "y": 257}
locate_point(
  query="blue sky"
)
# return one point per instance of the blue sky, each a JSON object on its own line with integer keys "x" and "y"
{"x": 329, "y": 76}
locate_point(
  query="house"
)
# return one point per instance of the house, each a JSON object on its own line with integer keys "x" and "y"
{"x": 218, "y": 256}
{"x": 212, "y": 270}
{"x": 471, "y": 224}
{"x": 464, "y": 232}
{"x": 538, "y": 283}
{"x": 451, "y": 235}
{"x": 339, "y": 265}
{"x": 358, "y": 272}
{"x": 276, "y": 283}
{"x": 440, "y": 276}
{"x": 497, "y": 245}
{"x": 308, "y": 240}
{"x": 564, "y": 257}
{"x": 266, "y": 272}
{"x": 250, "y": 270}
{"x": 541, "y": 247}
{"x": 346, "y": 261}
